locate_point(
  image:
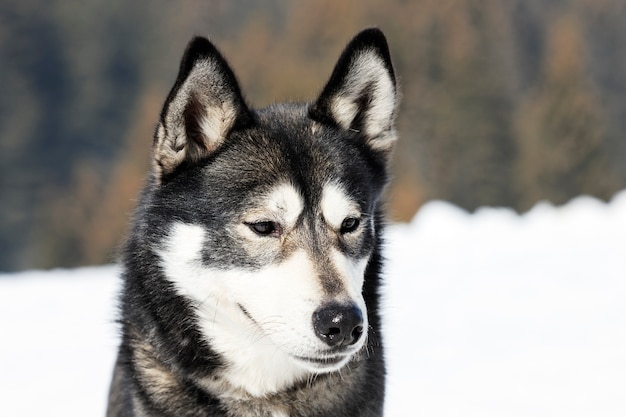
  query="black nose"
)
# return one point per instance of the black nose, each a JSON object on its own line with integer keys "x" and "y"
{"x": 338, "y": 325}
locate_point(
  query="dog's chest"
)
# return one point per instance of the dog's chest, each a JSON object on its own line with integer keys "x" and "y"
{"x": 256, "y": 409}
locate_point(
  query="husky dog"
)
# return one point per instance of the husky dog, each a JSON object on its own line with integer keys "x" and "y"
{"x": 252, "y": 269}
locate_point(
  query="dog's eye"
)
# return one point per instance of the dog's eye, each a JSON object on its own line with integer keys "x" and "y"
{"x": 349, "y": 225}
{"x": 266, "y": 228}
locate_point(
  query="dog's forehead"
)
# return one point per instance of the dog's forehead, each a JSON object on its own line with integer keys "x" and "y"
{"x": 309, "y": 147}
{"x": 291, "y": 161}
{"x": 320, "y": 172}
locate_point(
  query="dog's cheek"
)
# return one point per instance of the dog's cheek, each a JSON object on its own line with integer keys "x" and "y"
{"x": 281, "y": 298}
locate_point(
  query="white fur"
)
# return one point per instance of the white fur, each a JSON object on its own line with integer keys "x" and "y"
{"x": 337, "y": 206}
{"x": 286, "y": 200}
{"x": 216, "y": 122}
{"x": 283, "y": 204}
{"x": 353, "y": 272}
{"x": 368, "y": 71}
{"x": 280, "y": 298}
{"x": 258, "y": 364}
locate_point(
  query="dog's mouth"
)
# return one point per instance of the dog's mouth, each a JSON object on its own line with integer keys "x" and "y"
{"x": 333, "y": 360}
{"x": 324, "y": 363}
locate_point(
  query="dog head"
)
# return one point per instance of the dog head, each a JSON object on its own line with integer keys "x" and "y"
{"x": 272, "y": 214}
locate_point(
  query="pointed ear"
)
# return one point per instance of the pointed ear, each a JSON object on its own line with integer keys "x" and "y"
{"x": 202, "y": 108}
{"x": 361, "y": 93}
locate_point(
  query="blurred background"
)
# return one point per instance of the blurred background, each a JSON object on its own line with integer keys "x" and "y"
{"x": 505, "y": 102}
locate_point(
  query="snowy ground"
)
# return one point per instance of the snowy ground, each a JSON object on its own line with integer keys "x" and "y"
{"x": 490, "y": 314}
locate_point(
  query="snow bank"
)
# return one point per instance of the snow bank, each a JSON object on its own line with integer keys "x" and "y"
{"x": 58, "y": 342}
{"x": 490, "y": 314}
{"x": 495, "y": 314}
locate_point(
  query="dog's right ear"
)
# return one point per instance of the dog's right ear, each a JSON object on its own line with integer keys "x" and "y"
{"x": 202, "y": 108}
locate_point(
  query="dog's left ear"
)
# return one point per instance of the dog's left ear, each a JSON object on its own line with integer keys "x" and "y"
{"x": 361, "y": 94}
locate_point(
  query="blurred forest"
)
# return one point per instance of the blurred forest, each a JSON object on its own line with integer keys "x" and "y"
{"x": 505, "y": 102}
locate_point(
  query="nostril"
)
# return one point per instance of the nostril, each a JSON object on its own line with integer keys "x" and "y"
{"x": 356, "y": 334}
{"x": 333, "y": 331}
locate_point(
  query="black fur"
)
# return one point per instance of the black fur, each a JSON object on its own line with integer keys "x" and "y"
{"x": 163, "y": 355}
{"x": 367, "y": 40}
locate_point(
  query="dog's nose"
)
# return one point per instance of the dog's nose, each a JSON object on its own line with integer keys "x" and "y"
{"x": 338, "y": 325}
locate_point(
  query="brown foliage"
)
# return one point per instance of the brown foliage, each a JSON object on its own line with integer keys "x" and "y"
{"x": 504, "y": 102}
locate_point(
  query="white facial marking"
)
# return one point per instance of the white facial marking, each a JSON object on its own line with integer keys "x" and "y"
{"x": 283, "y": 204}
{"x": 352, "y": 272}
{"x": 260, "y": 321}
{"x": 337, "y": 206}
{"x": 183, "y": 251}
{"x": 287, "y": 202}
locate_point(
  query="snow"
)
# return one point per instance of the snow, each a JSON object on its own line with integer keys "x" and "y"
{"x": 486, "y": 314}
